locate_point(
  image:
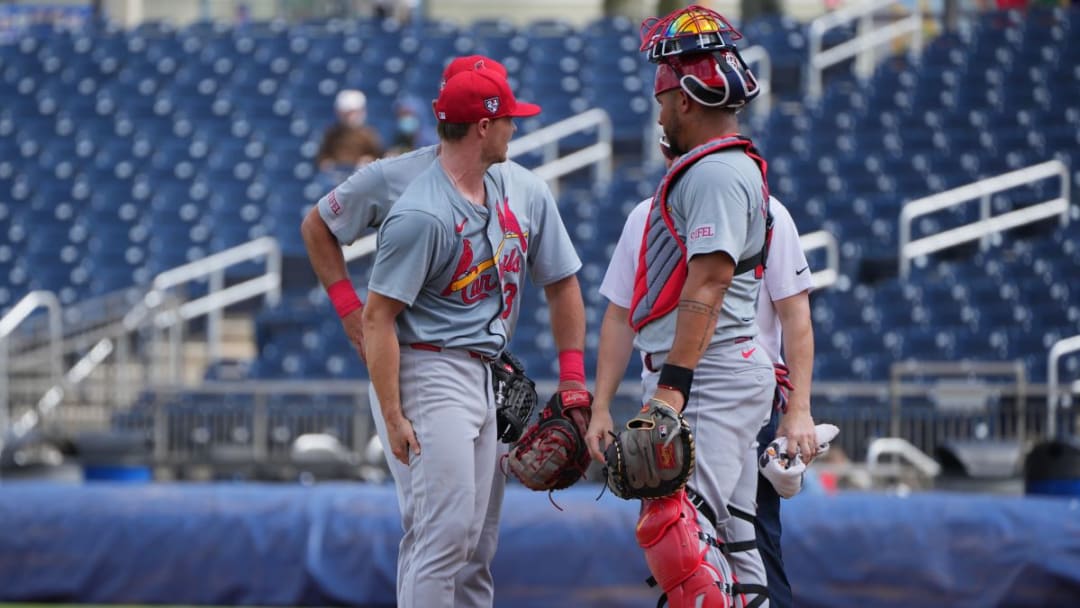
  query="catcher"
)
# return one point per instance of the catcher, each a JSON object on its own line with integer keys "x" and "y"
{"x": 709, "y": 382}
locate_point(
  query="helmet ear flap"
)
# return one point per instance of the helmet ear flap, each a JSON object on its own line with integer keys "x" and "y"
{"x": 718, "y": 79}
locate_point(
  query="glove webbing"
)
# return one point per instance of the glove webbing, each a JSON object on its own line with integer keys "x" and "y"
{"x": 563, "y": 429}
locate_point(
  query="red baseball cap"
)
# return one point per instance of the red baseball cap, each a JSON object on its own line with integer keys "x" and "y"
{"x": 471, "y": 62}
{"x": 479, "y": 93}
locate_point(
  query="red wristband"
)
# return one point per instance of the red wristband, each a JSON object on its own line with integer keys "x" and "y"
{"x": 343, "y": 297}
{"x": 572, "y": 366}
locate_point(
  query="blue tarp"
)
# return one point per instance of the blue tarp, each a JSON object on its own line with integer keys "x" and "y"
{"x": 337, "y": 543}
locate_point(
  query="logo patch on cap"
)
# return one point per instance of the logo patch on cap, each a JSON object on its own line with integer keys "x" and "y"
{"x": 492, "y": 104}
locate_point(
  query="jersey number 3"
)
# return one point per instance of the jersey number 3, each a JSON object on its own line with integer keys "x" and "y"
{"x": 510, "y": 291}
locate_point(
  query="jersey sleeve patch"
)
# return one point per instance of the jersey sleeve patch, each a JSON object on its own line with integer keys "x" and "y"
{"x": 335, "y": 206}
{"x": 704, "y": 231}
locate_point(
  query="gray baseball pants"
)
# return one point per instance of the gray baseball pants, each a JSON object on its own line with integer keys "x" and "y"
{"x": 730, "y": 400}
{"x": 450, "y": 494}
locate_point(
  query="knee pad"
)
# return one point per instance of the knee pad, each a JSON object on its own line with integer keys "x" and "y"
{"x": 675, "y": 549}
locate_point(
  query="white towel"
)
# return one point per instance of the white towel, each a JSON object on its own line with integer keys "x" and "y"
{"x": 786, "y": 474}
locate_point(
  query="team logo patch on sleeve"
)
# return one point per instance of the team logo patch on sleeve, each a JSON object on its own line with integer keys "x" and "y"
{"x": 335, "y": 206}
{"x": 492, "y": 104}
{"x": 704, "y": 231}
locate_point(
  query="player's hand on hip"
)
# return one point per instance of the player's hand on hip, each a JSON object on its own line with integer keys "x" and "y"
{"x": 354, "y": 329}
{"x": 599, "y": 434}
{"x": 402, "y": 439}
{"x": 798, "y": 426}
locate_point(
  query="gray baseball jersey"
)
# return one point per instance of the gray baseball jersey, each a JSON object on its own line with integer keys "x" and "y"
{"x": 787, "y": 274}
{"x": 717, "y": 205}
{"x": 460, "y": 267}
{"x": 362, "y": 201}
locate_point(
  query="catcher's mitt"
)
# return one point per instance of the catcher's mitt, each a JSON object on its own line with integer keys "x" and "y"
{"x": 653, "y": 457}
{"x": 552, "y": 453}
{"x": 515, "y": 397}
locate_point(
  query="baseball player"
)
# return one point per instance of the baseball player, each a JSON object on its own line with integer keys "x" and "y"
{"x": 694, "y": 305}
{"x": 363, "y": 202}
{"x": 443, "y": 301}
{"x": 782, "y": 304}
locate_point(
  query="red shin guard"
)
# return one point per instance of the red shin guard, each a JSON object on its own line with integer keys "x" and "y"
{"x": 675, "y": 551}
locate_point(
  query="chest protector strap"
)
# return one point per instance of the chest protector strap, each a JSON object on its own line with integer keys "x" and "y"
{"x": 661, "y": 269}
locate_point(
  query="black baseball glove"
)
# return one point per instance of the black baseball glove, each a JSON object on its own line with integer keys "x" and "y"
{"x": 515, "y": 397}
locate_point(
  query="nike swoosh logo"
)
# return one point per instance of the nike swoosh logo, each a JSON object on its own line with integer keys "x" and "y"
{"x": 796, "y": 272}
{"x": 461, "y": 226}
{"x": 747, "y": 353}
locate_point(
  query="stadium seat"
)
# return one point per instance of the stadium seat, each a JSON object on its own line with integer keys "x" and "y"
{"x": 171, "y": 143}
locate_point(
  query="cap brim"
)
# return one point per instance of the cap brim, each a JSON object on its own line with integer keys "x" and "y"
{"x": 525, "y": 109}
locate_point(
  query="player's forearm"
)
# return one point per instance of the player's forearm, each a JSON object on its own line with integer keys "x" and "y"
{"x": 384, "y": 361}
{"x": 567, "y": 311}
{"x": 323, "y": 249}
{"x": 794, "y": 313}
{"x": 707, "y": 280}
{"x": 616, "y": 347}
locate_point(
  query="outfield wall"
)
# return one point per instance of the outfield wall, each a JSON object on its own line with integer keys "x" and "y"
{"x": 336, "y": 544}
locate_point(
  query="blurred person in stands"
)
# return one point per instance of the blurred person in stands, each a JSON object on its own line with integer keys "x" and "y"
{"x": 401, "y": 11}
{"x": 783, "y": 319}
{"x": 412, "y": 128}
{"x": 362, "y": 203}
{"x": 350, "y": 142}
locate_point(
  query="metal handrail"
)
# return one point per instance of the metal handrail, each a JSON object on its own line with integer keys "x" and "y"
{"x": 959, "y": 368}
{"x": 55, "y": 395}
{"x": 160, "y": 308}
{"x": 822, "y": 239}
{"x": 985, "y": 225}
{"x": 598, "y": 155}
{"x": 1057, "y": 351}
{"x": 763, "y": 73}
{"x": 859, "y": 46}
{"x": 22, "y": 310}
{"x": 219, "y": 296}
{"x": 359, "y": 248}
{"x": 903, "y": 448}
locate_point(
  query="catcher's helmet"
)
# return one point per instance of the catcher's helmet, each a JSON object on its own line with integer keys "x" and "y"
{"x": 694, "y": 48}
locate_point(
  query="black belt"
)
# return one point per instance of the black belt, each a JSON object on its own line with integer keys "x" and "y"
{"x": 439, "y": 349}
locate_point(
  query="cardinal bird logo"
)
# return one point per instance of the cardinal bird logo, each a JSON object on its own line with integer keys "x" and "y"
{"x": 509, "y": 224}
{"x": 464, "y": 266}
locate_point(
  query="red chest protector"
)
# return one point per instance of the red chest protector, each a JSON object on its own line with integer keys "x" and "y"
{"x": 661, "y": 269}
